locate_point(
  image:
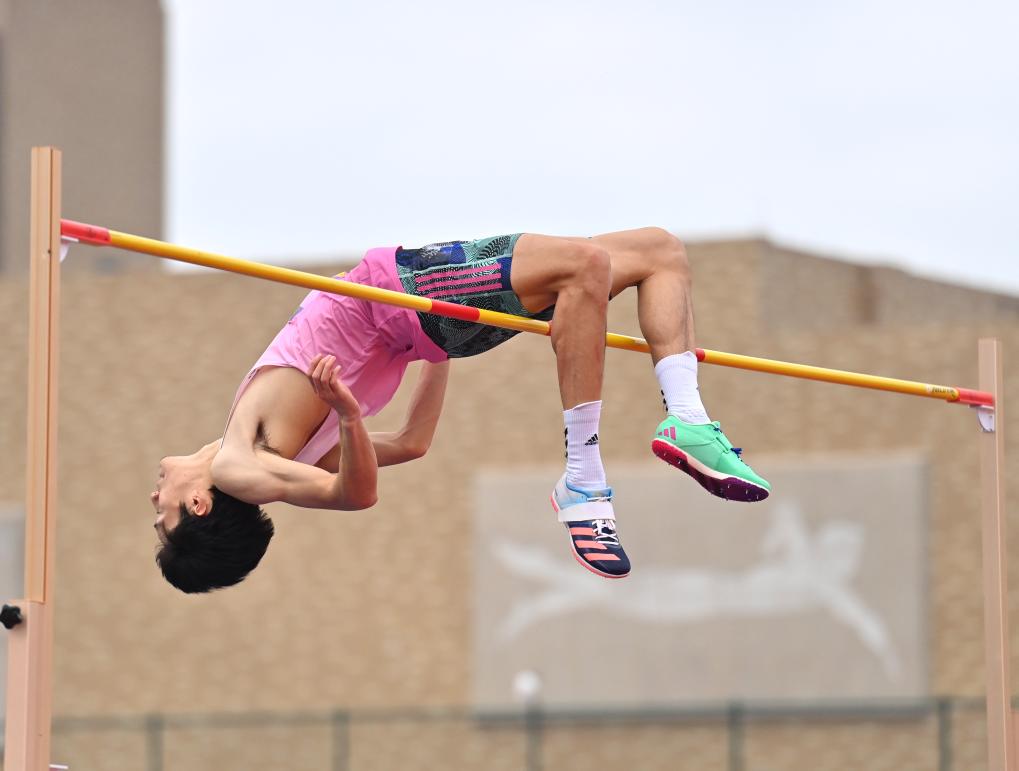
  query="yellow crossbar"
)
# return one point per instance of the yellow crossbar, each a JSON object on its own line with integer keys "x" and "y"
{"x": 98, "y": 236}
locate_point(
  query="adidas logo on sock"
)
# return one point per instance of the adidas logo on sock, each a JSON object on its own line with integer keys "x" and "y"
{"x": 591, "y": 441}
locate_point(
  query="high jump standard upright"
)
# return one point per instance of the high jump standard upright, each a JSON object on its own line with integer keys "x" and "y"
{"x": 30, "y": 620}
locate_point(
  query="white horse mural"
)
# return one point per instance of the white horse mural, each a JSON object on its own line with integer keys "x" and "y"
{"x": 797, "y": 572}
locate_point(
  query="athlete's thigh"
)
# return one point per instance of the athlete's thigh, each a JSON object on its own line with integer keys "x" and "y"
{"x": 542, "y": 265}
{"x": 631, "y": 253}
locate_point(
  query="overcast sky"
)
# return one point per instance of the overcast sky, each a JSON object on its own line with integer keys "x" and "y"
{"x": 881, "y": 131}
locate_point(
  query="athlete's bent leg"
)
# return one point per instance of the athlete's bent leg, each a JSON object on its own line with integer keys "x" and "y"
{"x": 576, "y": 276}
{"x": 654, "y": 261}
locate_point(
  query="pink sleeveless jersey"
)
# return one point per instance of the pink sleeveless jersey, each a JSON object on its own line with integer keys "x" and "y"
{"x": 372, "y": 342}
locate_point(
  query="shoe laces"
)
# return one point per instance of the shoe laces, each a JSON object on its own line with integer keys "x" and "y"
{"x": 605, "y": 532}
{"x": 718, "y": 430}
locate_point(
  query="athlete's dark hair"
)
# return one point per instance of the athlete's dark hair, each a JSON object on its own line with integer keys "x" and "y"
{"x": 217, "y": 550}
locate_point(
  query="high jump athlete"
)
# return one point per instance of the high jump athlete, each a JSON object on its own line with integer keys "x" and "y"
{"x": 295, "y": 431}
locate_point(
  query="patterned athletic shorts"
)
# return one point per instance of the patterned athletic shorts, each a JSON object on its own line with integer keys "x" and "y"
{"x": 474, "y": 273}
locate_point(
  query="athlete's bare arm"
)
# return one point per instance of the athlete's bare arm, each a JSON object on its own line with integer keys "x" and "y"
{"x": 413, "y": 440}
{"x": 415, "y": 437}
{"x": 258, "y": 475}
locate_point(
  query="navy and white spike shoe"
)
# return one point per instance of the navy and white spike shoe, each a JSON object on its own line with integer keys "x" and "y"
{"x": 591, "y": 523}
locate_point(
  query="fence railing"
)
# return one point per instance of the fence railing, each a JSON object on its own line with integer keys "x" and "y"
{"x": 530, "y": 728}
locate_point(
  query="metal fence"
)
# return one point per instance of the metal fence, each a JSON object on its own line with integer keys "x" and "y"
{"x": 943, "y": 734}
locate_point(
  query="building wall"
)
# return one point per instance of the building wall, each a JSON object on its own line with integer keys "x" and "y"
{"x": 372, "y": 609}
{"x": 87, "y": 78}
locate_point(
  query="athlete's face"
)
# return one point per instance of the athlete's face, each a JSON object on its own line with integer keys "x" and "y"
{"x": 167, "y": 496}
{"x": 182, "y": 479}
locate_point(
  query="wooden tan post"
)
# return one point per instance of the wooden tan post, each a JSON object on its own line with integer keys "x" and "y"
{"x": 1001, "y": 751}
{"x": 30, "y": 644}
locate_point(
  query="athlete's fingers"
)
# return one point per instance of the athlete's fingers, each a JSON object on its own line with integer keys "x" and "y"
{"x": 317, "y": 374}
{"x": 341, "y": 398}
{"x": 324, "y": 366}
{"x": 325, "y": 376}
{"x": 313, "y": 375}
{"x": 314, "y": 363}
{"x": 335, "y": 384}
{"x": 331, "y": 380}
{"x": 327, "y": 368}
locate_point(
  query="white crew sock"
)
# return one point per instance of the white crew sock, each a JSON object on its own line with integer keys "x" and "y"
{"x": 677, "y": 375}
{"x": 583, "y": 457}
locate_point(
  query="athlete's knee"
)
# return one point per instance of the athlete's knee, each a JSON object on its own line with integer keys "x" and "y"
{"x": 667, "y": 249}
{"x": 590, "y": 269}
{"x": 665, "y": 252}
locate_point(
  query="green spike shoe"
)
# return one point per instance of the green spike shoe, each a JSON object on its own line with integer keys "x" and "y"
{"x": 706, "y": 454}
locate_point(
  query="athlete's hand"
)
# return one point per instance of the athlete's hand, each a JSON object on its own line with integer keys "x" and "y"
{"x": 324, "y": 374}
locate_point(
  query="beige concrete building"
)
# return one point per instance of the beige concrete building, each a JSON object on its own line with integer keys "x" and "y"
{"x": 837, "y": 626}
{"x": 356, "y": 644}
{"x": 87, "y": 78}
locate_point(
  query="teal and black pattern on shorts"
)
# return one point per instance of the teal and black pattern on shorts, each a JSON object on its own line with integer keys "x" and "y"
{"x": 474, "y": 273}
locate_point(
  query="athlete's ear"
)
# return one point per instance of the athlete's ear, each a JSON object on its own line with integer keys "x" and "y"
{"x": 200, "y": 503}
